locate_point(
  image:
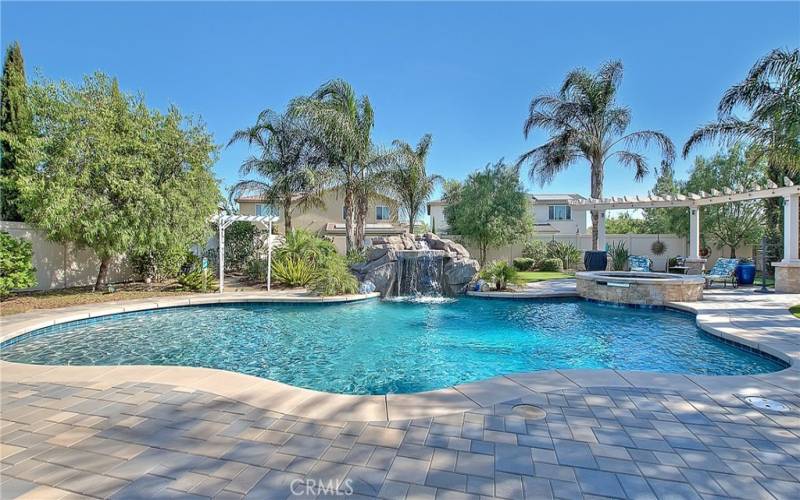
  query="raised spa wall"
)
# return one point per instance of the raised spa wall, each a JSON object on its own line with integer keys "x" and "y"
{"x": 638, "y": 291}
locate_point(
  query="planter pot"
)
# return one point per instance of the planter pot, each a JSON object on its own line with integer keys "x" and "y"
{"x": 745, "y": 274}
{"x": 595, "y": 260}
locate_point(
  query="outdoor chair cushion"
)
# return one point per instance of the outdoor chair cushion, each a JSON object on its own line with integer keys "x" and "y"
{"x": 723, "y": 270}
{"x": 639, "y": 263}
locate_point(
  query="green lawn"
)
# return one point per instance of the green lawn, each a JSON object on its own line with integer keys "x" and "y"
{"x": 795, "y": 310}
{"x": 533, "y": 276}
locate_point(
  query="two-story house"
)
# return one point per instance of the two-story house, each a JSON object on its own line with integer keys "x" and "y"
{"x": 328, "y": 218}
{"x": 551, "y": 213}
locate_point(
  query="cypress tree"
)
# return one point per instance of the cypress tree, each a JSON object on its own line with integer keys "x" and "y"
{"x": 16, "y": 122}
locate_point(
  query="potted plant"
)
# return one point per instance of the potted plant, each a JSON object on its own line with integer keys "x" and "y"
{"x": 745, "y": 272}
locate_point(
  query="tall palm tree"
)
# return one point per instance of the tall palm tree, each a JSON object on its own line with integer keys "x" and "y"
{"x": 410, "y": 182}
{"x": 342, "y": 123}
{"x": 585, "y": 123}
{"x": 372, "y": 185}
{"x": 288, "y": 159}
{"x": 771, "y": 94}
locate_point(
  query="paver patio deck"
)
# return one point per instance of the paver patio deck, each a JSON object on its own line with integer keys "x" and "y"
{"x": 605, "y": 434}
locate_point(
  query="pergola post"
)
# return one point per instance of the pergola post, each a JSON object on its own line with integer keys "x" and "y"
{"x": 694, "y": 263}
{"x": 601, "y": 230}
{"x": 694, "y": 232}
{"x": 791, "y": 205}
{"x": 221, "y": 254}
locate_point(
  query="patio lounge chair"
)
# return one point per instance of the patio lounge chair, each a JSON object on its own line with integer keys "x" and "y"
{"x": 723, "y": 271}
{"x": 638, "y": 263}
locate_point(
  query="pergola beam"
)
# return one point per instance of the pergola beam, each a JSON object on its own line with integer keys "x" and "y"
{"x": 692, "y": 200}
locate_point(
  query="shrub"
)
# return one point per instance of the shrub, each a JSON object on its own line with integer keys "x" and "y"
{"x": 290, "y": 270}
{"x": 193, "y": 281}
{"x": 619, "y": 256}
{"x": 16, "y": 264}
{"x": 305, "y": 245}
{"x": 333, "y": 278}
{"x": 551, "y": 265}
{"x": 240, "y": 245}
{"x": 256, "y": 270}
{"x": 356, "y": 256}
{"x": 564, "y": 251}
{"x": 536, "y": 250}
{"x": 523, "y": 263}
{"x": 500, "y": 273}
{"x": 159, "y": 263}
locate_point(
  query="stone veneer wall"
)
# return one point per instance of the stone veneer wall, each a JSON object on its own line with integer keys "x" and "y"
{"x": 656, "y": 294}
{"x": 787, "y": 277}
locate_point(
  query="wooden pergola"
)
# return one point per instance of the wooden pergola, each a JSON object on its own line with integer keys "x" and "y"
{"x": 225, "y": 220}
{"x": 695, "y": 201}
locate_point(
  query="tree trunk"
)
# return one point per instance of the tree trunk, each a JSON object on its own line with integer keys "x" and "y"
{"x": 410, "y": 223}
{"x": 733, "y": 251}
{"x": 597, "y": 192}
{"x": 362, "y": 206}
{"x": 348, "y": 219}
{"x": 102, "y": 275}
{"x": 287, "y": 215}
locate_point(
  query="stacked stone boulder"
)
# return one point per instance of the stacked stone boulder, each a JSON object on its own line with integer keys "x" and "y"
{"x": 380, "y": 268}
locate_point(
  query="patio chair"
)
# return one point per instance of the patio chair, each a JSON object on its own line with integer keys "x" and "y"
{"x": 639, "y": 263}
{"x": 723, "y": 271}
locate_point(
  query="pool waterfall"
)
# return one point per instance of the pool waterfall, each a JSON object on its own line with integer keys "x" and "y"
{"x": 419, "y": 273}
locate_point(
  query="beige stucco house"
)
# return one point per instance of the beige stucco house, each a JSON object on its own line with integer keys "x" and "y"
{"x": 551, "y": 213}
{"x": 328, "y": 219}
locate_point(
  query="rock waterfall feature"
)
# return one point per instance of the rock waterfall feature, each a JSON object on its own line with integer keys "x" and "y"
{"x": 410, "y": 265}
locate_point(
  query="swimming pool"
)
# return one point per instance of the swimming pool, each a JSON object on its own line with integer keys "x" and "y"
{"x": 380, "y": 347}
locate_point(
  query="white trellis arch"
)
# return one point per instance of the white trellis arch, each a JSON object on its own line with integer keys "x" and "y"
{"x": 225, "y": 220}
{"x": 695, "y": 201}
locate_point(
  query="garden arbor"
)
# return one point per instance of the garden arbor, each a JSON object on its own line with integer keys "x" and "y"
{"x": 225, "y": 220}
{"x": 787, "y": 275}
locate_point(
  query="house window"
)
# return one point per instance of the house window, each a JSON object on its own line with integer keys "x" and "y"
{"x": 560, "y": 212}
{"x": 265, "y": 210}
{"x": 381, "y": 213}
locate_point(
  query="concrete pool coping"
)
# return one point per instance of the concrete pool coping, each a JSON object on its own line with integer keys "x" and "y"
{"x": 761, "y": 322}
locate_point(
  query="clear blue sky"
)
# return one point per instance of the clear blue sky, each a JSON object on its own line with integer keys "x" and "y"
{"x": 463, "y": 72}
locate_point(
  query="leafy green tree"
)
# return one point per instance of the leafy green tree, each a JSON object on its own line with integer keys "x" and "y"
{"x": 288, "y": 159}
{"x": 667, "y": 220}
{"x": 736, "y": 223}
{"x": 16, "y": 125}
{"x": 625, "y": 223}
{"x": 410, "y": 182}
{"x": 16, "y": 264}
{"x": 113, "y": 176}
{"x": 342, "y": 124}
{"x": 490, "y": 209}
{"x": 586, "y": 123}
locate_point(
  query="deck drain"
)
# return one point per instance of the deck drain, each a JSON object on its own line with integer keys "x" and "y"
{"x": 530, "y": 412}
{"x": 766, "y": 404}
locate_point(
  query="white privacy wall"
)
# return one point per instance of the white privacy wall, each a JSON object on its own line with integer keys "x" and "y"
{"x": 637, "y": 244}
{"x": 58, "y": 266}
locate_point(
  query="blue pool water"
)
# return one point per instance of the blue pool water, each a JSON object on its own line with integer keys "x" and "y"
{"x": 376, "y": 347}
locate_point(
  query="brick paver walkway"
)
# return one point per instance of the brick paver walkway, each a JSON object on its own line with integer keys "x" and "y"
{"x": 157, "y": 441}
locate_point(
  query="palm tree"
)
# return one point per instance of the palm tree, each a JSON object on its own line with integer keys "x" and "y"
{"x": 342, "y": 123}
{"x": 372, "y": 185}
{"x": 586, "y": 123}
{"x": 288, "y": 158}
{"x": 771, "y": 93}
{"x": 410, "y": 182}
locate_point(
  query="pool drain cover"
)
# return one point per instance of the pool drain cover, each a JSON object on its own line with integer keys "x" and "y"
{"x": 529, "y": 411}
{"x": 766, "y": 404}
